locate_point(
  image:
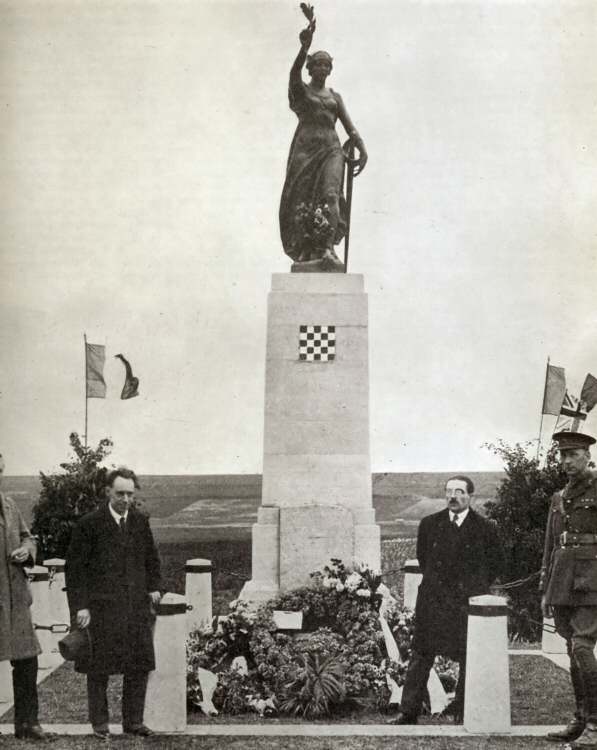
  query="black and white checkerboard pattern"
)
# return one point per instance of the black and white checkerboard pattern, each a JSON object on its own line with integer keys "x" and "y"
{"x": 317, "y": 343}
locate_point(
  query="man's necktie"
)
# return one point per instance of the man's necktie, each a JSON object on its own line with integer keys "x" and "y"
{"x": 454, "y": 521}
{"x": 122, "y": 524}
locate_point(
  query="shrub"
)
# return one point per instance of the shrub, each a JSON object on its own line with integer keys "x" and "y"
{"x": 520, "y": 510}
{"x": 66, "y": 496}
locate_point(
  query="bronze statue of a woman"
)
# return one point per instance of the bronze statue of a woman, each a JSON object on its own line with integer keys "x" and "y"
{"x": 313, "y": 208}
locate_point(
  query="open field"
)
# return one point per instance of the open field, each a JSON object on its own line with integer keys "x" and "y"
{"x": 225, "y": 506}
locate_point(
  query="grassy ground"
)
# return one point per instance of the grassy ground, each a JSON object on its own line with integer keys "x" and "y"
{"x": 63, "y": 699}
{"x": 166, "y": 742}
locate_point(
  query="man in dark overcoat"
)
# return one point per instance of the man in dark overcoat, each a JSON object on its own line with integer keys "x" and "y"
{"x": 112, "y": 580}
{"x": 569, "y": 581}
{"x": 460, "y": 556}
{"x": 18, "y": 642}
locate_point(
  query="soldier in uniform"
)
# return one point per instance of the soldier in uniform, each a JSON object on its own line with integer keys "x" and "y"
{"x": 569, "y": 581}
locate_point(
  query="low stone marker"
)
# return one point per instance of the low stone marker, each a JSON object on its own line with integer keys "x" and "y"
{"x": 5, "y": 683}
{"x": 412, "y": 579}
{"x": 198, "y": 593}
{"x": 487, "y": 691}
{"x": 166, "y": 701}
{"x": 551, "y": 642}
{"x": 41, "y": 614}
{"x": 58, "y": 600}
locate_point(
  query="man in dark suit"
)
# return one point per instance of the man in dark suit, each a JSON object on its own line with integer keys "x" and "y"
{"x": 112, "y": 579}
{"x": 569, "y": 581}
{"x": 460, "y": 556}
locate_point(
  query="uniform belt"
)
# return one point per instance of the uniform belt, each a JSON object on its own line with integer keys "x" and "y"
{"x": 568, "y": 539}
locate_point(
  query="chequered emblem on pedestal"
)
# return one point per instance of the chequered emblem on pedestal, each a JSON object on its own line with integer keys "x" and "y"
{"x": 317, "y": 343}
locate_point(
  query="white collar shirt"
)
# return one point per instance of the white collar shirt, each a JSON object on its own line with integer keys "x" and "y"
{"x": 116, "y": 516}
{"x": 458, "y": 518}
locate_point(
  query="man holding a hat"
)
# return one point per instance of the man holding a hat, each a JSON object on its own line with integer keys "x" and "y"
{"x": 113, "y": 579}
{"x": 569, "y": 581}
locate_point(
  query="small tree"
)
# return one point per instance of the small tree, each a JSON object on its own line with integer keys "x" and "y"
{"x": 520, "y": 510}
{"x": 68, "y": 495}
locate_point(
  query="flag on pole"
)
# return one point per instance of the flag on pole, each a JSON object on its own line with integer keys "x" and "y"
{"x": 573, "y": 413}
{"x": 130, "y": 389}
{"x": 555, "y": 390}
{"x": 95, "y": 357}
{"x": 588, "y": 395}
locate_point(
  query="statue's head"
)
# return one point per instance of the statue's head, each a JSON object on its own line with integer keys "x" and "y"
{"x": 319, "y": 60}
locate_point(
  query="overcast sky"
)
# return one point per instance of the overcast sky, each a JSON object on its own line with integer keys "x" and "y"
{"x": 143, "y": 150}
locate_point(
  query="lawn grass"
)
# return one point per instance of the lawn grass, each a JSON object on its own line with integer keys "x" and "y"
{"x": 171, "y": 742}
{"x": 63, "y": 699}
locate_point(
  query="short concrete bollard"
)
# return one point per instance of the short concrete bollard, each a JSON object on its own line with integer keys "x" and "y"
{"x": 58, "y": 600}
{"x": 551, "y": 642}
{"x": 41, "y": 614}
{"x": 166, "y": 701}
{"x": 487, "y": 687}
{"x": 412, "y": 579}
{"x": 198, "y": 593}
{"x": 5, "y": 683}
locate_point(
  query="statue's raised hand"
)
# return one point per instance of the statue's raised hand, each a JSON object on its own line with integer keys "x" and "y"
{"x": 306, "y": 35}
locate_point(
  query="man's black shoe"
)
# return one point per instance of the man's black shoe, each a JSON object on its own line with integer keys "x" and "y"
{"x": 140, "y": 731}
{"x": 402, "y": 718}
{"x": 453, "y": 711}
{"x": 31, "y": 732}
{"x": 101, "y": 733}
{"x": 571, "y": 731}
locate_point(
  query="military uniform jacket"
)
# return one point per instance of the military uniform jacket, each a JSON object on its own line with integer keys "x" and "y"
{"x": 569, "y": 571}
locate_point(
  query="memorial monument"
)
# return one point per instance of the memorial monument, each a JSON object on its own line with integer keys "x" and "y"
{"x": 317, "y": 498}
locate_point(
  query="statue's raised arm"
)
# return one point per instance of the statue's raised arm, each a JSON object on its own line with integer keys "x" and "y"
{"x": 313, "y": 216}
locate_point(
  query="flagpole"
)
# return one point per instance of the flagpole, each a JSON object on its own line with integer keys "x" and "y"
{"x": 542, "y": 405}
{"x": 85, "y": 381}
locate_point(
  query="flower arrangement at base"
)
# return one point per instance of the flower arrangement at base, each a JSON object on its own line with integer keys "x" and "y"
{"x": 337, "y": 663}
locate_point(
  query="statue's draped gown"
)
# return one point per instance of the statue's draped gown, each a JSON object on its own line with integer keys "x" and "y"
{"x": 315, "y": 169}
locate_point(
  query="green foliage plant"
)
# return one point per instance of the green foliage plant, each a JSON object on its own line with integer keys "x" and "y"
{"x": 67, "y": 495}
{"x": 520, "y": 512}
{"x": 318, "y": 686}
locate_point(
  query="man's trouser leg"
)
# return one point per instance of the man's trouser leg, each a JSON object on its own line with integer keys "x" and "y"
{"x": 417, "y": 677}
{"x": 562, "y": 622}
{"x": 460, "y": 685}
{"x": 134, "y": 687}
{"x": 97, "y": 686}
{"x": 583, "y": 622}
{"x": 24, "y": 684}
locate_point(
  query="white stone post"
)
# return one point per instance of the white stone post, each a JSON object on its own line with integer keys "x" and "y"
{"x": 58, "y": 600}
{"x": 412, "y": 579}
{"x": 166, "y": 701}
{"x": 551, "y": 642}
{"x": 487, "y": 686}
{"x": 5, "y": 683}
{"x": 198, "y": 593}
{"x": 41, "y": 614}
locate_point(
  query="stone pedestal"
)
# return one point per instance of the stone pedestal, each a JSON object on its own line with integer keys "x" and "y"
{"x": 316, "y": 499}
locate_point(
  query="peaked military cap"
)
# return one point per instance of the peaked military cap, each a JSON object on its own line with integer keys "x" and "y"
{"x": 567, "y": 440}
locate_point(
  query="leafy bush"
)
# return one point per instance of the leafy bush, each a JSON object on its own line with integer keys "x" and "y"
{"x": 66, "y": 496}
{"x": 520, "y": 510}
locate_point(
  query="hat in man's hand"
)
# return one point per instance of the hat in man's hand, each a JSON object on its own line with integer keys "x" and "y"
{"x": 76, "y": 646}
{"x": 567, "y": 440}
